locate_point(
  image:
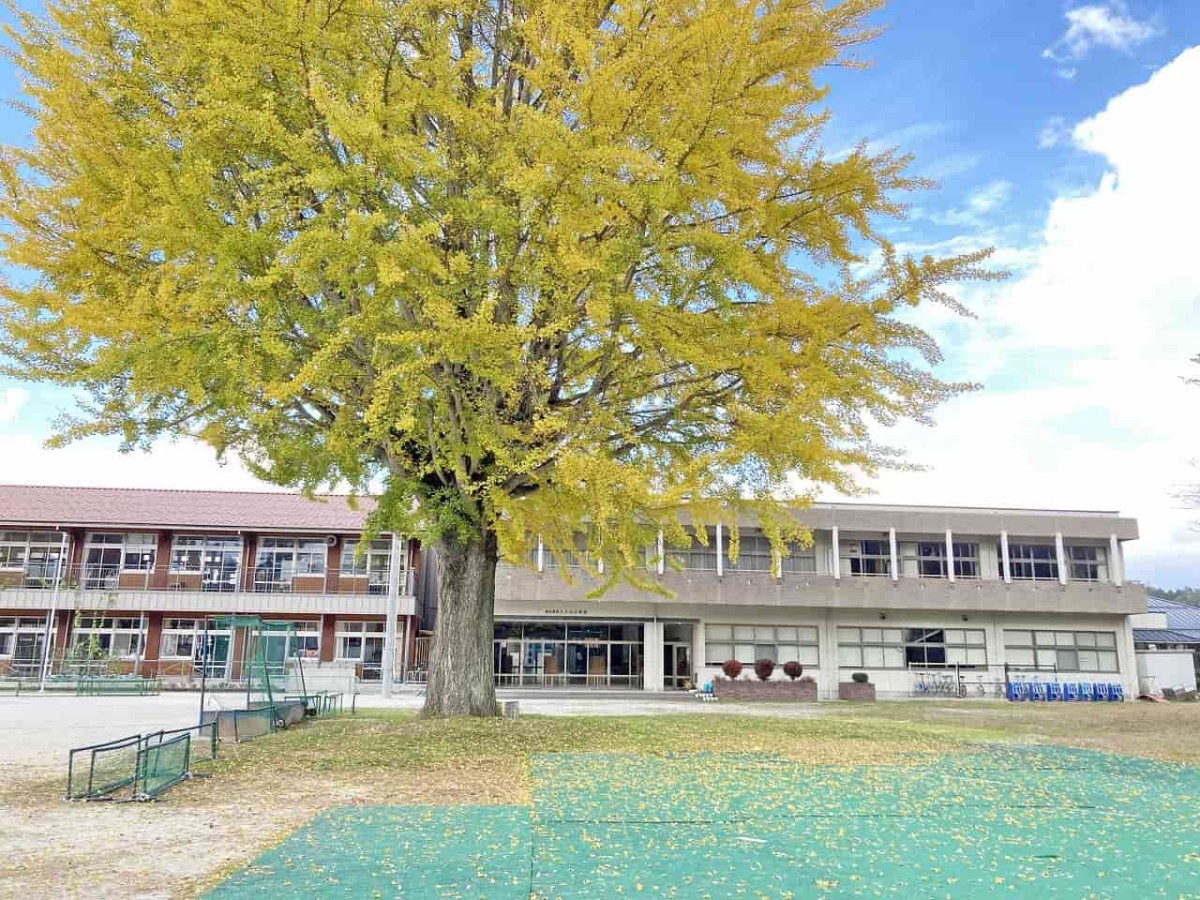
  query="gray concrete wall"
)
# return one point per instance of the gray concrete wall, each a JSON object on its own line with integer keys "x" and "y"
{"x": 760, "y": 589}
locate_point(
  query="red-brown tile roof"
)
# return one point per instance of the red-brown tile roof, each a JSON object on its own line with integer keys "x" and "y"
{"x": 172, "y": 509}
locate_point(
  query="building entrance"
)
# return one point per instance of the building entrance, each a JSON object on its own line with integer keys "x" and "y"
{"x": 539, "y": 653}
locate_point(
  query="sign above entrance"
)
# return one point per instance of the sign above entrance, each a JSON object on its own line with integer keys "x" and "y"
{"x": 565, "y": 612}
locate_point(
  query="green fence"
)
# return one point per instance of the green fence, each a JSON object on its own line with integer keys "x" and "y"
{"x": 101, "y": 770}
{"x": 162, "y": 763}
{"x": 319, "y": 703}
{"x": 84, "y": 685}
{"x": 139, "y": 767}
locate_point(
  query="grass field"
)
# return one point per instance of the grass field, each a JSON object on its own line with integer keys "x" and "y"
{"x": 258, "y": 793}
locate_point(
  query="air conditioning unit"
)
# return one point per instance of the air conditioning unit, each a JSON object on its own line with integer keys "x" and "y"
{"x": 331, "y": 540}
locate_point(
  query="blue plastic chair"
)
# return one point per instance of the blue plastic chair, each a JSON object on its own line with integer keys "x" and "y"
{"x": 1116, "y": 692}
{"x": 1071, "y": 692}
{"x": 1054, "y": 691}
{"x": 1018, "y": 691}
{"x": 1101, "y": 692}
{"x": 1086, "y": 691}
{"x": 1037, "y": 691}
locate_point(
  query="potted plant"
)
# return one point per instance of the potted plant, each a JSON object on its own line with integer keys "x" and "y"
{"x": 764, "y": 668}
{"x": 858, "y": 688}
{"x": 793, "y": 669}
{"x": 732, "y": 669}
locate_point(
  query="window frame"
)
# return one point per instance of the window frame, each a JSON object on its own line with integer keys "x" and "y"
{"x": 802, "y": 642}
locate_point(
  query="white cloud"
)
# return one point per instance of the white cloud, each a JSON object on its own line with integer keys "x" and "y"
{"x": 97, "y": 462}
{"x": 12, "y": 401}
{"x": 1056, "y": 131}
{"x": 1100, "y": 25}
{"x": 1084, "y": 352}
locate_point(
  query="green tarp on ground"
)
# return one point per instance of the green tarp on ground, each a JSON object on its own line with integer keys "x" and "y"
{"x": 997, "y": 822}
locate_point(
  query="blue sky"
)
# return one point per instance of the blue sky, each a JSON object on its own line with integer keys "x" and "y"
{"x": 1063, "y": 134}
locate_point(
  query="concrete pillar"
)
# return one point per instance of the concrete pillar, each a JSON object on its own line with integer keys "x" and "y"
{"x": 949, "y": 555}
{"x": 837, "y": 555}
{"x": 827, "y": 654}
{"x": 1127, "y": 659}
{"x": 895, "y": 554}
{"x": 698, "y": 653}
{"x": 1116, "y": 562}
{"x": 1005, "y": 562}
{"x": 393, "y": 604}
{"x": 652, "y": 657}
{"x": 661, "y": 557}
{"x": 720, "y": 550}
{"x": 1062, "y": 557}
{"x": 328, "y": 637}
{"x": 541, "y": 555}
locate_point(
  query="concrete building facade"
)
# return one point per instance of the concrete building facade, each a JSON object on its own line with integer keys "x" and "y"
{"x": 906, "y": 594}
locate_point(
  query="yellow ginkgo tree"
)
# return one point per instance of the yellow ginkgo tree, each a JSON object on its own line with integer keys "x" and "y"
{"x": 556, "y": 267}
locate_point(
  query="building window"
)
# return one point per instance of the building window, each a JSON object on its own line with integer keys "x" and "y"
{"x": 371, "y": 566}
{"x": 1062, "y": 651}
{"x": 927, "y": 559}
{"x": 30, "y": 559}
{"x": 96, "y": 638}
{"x": 1088, "y": 563}
{"x": 754, "y": 555}
{"x": 866, "y": 558}
{"x": 870, "y": 648}
{"x": 749, "y": 643}
{"x": 214, "y": 559}
{"x": 281, "y": 560}
{"x": 935, "y": 647}
{"x": 21, "y": 637}
{"x": 1032, "y": 562}
{"x": 179, "y": 639}
{"x": 361, "y": 643}
{"x": 106, "y": 556}
{"x": 697, "y": 557}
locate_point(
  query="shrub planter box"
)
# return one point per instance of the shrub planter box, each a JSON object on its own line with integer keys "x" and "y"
{"x": 861, "y": 692}
{"x": 779, "y": 691}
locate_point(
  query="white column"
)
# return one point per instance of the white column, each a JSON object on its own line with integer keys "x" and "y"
{"x": 827, "y": 671}
{"x": 720, "y": 550}
{"x": 52, "y": 616}
{"x": 837, "y": 555}
{"x": 389, "y": 630}
{"x": 949, "y": 555}
{"x": 1062, "y": 557}
{"x": 652, "y": 657}
{"x": 1127, "y": 659}
{"x": 541, "y": 555}
{"x": 895, "y": 554}
{"x": 661, "y": 565}
{"x": 1005, "y": 562}
{"x": 1116, "y": 562}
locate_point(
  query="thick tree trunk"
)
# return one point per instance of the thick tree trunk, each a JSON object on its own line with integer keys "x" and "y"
{"x": 460, "y": 662}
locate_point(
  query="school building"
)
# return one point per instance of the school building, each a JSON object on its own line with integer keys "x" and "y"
{"x": 899, "y": 592}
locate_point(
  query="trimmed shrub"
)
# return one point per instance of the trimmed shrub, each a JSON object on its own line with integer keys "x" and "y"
{"x": 793, "y": 670}
{"x": 763, "y": 668}
{"x": 732, "y": 668}
{"x": 860, "y": 677}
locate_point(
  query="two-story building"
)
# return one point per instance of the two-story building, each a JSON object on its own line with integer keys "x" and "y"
{"x": 137, "y": 578}
{"x": 904, "y": 593}
{"x": 900, "y": 592}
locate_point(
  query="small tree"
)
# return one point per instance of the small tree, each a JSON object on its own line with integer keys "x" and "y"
{"x": 793, "y": 669}
{"x": 732, "y": 669}
{"x": 860, "y": 677}
{"x": 764, "y": 668}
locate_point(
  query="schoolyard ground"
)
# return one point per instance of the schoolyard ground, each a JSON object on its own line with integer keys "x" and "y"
{"x": 516, "y": 786}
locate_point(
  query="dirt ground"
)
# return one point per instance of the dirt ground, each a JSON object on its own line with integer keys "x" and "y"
{"x": 257, "y": 793}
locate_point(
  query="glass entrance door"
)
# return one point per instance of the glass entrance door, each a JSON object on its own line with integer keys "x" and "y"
{"x": 27, "y": 654}
{"x": 677, "y": 666}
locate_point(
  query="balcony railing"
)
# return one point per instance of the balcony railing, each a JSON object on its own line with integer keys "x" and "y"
{"x": 213, "y": 579}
